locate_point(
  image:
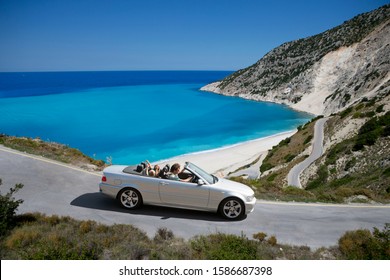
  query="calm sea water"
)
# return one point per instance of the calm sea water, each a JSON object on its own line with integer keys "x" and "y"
{"x": 136, "y": 115}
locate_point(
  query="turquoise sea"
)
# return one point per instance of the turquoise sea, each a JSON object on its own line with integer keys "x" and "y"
{"x": 136, "y": 115}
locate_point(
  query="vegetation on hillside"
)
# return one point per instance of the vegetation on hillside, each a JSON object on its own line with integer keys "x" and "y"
{"x": 8, "y": 206}
{"x": 51, "y": 150}
{"x": 353, "y": 169}
{"x": 278, "y": 162}
{"x": 357, "y": 167}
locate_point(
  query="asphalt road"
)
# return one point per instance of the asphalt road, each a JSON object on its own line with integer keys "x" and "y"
{"x": 54, "y": 188}
{"x": 318, "y": 139}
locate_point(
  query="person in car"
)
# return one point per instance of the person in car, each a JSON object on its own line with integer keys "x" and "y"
{"x": 175, "y": 170}
{"x": 155, "y": 171}
{"x": 151, "y": 171}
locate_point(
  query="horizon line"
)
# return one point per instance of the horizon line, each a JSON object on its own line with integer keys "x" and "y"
{"x": 149, "y": 70}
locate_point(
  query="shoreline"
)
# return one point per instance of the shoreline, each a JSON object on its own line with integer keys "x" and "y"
{"x": 246, "y": 156}
{"x": 302, "y": 107}
{"x": 224, "y": 160}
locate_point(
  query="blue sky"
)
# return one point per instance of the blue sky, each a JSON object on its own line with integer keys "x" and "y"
{"x": 80, "y": 35}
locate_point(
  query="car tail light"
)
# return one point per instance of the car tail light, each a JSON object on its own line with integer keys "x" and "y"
{"x": 104, "y": 179}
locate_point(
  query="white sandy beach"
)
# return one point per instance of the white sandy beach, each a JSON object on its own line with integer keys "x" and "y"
{"x": 228, "y": 159}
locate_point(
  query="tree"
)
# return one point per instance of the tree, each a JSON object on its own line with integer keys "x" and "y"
{"x": 8, "y": 206}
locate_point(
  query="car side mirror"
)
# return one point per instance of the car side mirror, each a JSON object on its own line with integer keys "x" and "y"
{"x": 200, "y": 182}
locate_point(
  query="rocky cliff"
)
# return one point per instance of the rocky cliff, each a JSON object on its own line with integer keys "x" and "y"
{"x": 342, "y": 72}
{"x": 322, "y": 74}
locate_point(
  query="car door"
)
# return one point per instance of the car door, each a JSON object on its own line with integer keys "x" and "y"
{"x": 184, "y": 194}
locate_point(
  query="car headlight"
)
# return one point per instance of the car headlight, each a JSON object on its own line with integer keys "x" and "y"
{"x": 250, "y": 198}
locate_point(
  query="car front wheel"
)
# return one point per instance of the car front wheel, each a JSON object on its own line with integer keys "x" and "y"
{"x": 232, "y": 208}
{"x": 130, "y": 198}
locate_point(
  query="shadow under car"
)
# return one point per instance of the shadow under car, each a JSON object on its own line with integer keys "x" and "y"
{"x": 101, "y": 202}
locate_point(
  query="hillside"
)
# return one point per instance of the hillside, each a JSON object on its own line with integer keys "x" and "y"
{"x": 321, "y": 74}
{"x": 342, "y": 73}
{"x": 354, "y": 167}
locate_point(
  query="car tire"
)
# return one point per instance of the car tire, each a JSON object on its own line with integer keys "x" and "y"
{"x": 130, "y": 198}
{"x": 232, "y": 208}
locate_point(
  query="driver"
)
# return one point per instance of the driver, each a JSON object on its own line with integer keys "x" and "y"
{"x": 175, "y": 170}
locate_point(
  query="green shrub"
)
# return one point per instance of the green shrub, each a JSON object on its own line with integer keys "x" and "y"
{"x": 344, "y": 192}
{"x": 386, "y": 172}
{"x": 345, "y": 113}
{"x": 351, "y": 163}
{"x": 284, "y": 142}
{"x": 370, "y": 103}
{"x": 385, "y": 119}
{"x": 224, "y": 247}
{"x": 341, "y": 181}
{"x": 366, "y": 139}
{"x": 328, "y": 197}
{"x": 369, "y": 126}
{"x": 265, "y": 166}
{"x": 163, "y": 234}
{"x": 320, "y": 180}
{"x": 359, "y": 107}
{"x": 272, "y": 177}
{"x": 379, "y": 109}
{"x": 38, "y": 236}
{"x": 289, "y": 157}
{"x": 363, "y": 245}
{"x": 369, "y": 114}
{"x": 386, "y": 131}
{"x": 336, "y": 152}
{"x": 260, "y": 236}
{"x": 308, "y": 139}
{"x": 8, "y": 206}
{"x": 372, "y": 130}
{"x": 297, "y": 193}
{"x": 272, "y": 240}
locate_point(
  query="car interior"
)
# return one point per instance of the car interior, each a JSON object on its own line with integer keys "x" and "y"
{"x": 164, "y": 172}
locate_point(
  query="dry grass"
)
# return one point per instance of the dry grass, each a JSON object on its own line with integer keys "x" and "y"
{"x": 38, "y": 236}
{"x": 51, "y": 150}
{"x": 51, "y": 237}
{"x": 287, "y": 154}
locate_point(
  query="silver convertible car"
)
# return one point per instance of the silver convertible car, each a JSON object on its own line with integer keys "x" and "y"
{"x": 203, "y": 192}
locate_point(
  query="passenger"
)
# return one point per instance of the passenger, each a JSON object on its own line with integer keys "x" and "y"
{"x": 175, "y": 170}
{"x": 149, "y": 171}
{"x": 155, "y": 171}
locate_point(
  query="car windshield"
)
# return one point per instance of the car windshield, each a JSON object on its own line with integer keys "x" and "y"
{"x": 210, "y": 179}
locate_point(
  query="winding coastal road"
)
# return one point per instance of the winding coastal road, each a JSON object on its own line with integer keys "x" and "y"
{"x": 55, "y": 188}
{"x": 318, "y": 139}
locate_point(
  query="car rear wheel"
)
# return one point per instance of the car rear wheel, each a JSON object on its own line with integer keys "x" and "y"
{"x": 130, "y": 198}
{"x": 232, "y": 208}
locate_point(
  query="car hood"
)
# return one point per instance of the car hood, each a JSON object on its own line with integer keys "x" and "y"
{"x": 234, "y": 186}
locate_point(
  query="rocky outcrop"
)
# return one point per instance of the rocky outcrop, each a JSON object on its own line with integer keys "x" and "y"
{"x": 322, "y": 74}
